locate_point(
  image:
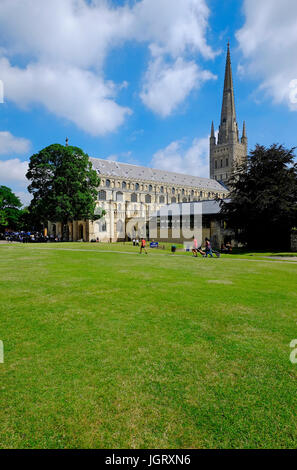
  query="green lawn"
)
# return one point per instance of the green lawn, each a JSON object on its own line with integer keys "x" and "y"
{"x": 111, "y": 349}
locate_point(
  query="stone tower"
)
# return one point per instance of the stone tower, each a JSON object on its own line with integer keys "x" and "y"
{"x": 228, "y": 150}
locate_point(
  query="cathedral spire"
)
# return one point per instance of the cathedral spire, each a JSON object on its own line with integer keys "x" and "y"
{"x": 212, "y": 130}
{"x": 228, "y": 114}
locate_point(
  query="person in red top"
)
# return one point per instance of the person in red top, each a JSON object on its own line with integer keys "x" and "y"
{"x": 142, "y": 245}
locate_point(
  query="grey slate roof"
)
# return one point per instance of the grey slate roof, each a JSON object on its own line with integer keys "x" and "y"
{"x": 133, "y": 172}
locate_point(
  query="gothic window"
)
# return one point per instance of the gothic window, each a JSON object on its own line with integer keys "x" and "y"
{"x": 183, "y": 192}
{"x": 227, "y": 161}
{"x": 102, "y": 226}
{"x": 148, "y": 199}
{"x": 162, "y": 189}
{"x": 162, "y": 199}
{"x": 150, "y": 188}
{"x": 133, "y": 197}
{"x": 221, "y": 163}
{"x": 173, "y": 190}
{"x": 216, "y": 164}
{"x": 173, "y": 200}
{"x": 137, "y": 187}
{"x": 192, "y": 192}
{"x": 124, "y": 185}
{"x": 102, "y": 195}
{"x": 201, "y": 194}
{"x": 119, "y": 196}
{"x": 107, "y": 184}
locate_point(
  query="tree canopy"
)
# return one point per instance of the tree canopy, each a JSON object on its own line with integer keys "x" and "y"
{"x": 263, "y": 205}
{"x": 63, "y": 183}
{"x": 9, "y": 208}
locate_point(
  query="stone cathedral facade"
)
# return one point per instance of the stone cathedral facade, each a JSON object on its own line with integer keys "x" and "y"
{"x": 130, "y": 193}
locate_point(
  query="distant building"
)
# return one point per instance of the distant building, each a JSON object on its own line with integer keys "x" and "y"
{"x": 130, "y": 195}
{"x": 228, "y": 150}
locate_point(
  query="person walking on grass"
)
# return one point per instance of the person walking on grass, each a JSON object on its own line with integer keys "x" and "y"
{"x": 143, "y": 246}
{"x": 208, "y": 249}
{"x": 195, "y": 247}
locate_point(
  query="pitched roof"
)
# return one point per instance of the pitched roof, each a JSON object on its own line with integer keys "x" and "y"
{"x": 133, "y": 172}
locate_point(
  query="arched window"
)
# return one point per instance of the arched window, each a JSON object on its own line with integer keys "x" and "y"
{"x": 148, "y": 199}
{"x": 173, "y": 200}
{"x": 173, "y": 190}
{"x": 192, "y": 192}
{"x": 120, "y": 196}
{"x": 107, "y": 183}
{"x": 137, "y": 187}
{"x": 133, "y": 197}
{"x": 216, "y": 164}
{"x": 162, "y": 199}
{"x": 162, "y": 189}
{"x": 102, "y": 195}
{"x": 183, "y": 192}
{"x": 201, "y": 193}
{"x": 185, "y": 199}
{"x": 150, "y": 188}
{"x": 124, "y": 185}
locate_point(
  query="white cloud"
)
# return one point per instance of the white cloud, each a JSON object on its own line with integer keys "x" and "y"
{"x": 166, "y": 86}
{"x": 13, "y": 171}
{"x": 268, "y": 41}
{"x": 192, "y": 160}
{"x": 77, "y": 95}
{"x": 63, "y": 45}
{"x": 13, "y": 174}
{"x": 10, "y": 144}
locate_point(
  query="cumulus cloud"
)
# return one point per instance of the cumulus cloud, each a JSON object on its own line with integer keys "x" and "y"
{"x": 268, "y": 41}
{"x": 192, "y": 160}
{"x": 10, "y": 144}
{"x": 166, "y": 86}
{"x": 72, "y": 93}
{"x": 13, "y": 174}
{"x": 13, "y": 170}
{"x": 63, "y": 45}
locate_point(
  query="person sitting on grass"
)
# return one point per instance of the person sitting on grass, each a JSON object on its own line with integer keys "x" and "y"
{"x": 142, "y": 246}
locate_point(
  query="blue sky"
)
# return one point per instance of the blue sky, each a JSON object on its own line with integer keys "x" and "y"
{"x": 141, "y": 81}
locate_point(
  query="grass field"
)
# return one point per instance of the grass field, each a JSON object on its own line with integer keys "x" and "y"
{"x": 106, "y": 348}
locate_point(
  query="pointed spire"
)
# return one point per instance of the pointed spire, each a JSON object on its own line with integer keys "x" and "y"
{"x": 244, "y": 130}
{"x": 228, "y": 115}
{"x": 212, "y": 130}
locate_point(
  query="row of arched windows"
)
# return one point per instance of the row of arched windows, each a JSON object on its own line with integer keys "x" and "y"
{"x": 148, "y": 198}
{"x": 150, "y": 188}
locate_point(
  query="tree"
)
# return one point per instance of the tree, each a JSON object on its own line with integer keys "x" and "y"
{"x": 263, "y": 198}
{"x": 64, "y": 185}
{"x": 9, "y": 208}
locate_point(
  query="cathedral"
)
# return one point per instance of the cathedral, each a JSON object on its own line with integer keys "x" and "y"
{"x": 130, "y": 193}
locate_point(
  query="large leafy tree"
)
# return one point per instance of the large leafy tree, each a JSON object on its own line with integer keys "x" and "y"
{"x": 9, "y": 208}
{"x": 64, "y": 185}
{"x": 263, "y": 205}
